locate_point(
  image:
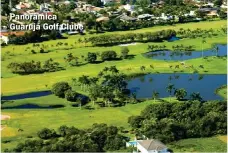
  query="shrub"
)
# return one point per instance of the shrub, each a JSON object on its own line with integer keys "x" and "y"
{"x": 33, "y": 51}
{"x": 41, "y": 50}
{"x": 108, "y": 55}
{"x": 60, "y": 88}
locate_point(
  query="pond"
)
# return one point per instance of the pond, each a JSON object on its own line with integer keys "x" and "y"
{"x": 204, "y": 84}
{"x": 173, "y": 38}
{"x": 185, "y": 55}
{"x": 27, "y": 95}
{"x": 32, "y": 106}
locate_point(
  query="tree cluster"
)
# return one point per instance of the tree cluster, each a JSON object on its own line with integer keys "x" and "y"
{"x": 132, "y": 37}
{"x": 34, "y": 67}
{"x": 31, "y": 37}
{"x": 98, "y": 138}
{"x": 64, "y": 90}
{"x": 109, "y": 85}
{"x": 174, "y": 121}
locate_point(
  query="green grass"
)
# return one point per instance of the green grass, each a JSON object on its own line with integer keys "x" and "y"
{"x": 32, "y": 120}
{"x": 212, "y": 144}
{"x": 223, "y": 91}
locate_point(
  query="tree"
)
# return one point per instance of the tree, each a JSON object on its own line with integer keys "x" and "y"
{"x": 169, "y": 89}
{"x": 196, "y": 96}
{"x": 94, "y": 93}
{"x": 155, "y": 95}
{"x": 216, "y": 49}
{"x": 124, "y": 52}
{"x": 60, "y": 88}
{"x": 203, "y": 42}
{"x": 108, "y": 55}
{"x": 84, "y": 81}
{"x": 123, "y": 2}
{"x": 143, "y": 3}
{"x": 180, "y": 93}
{"x": 96, "y": 3}
{"x": 51, "y": 66}
{"x": 91, "y": 57}
{"x": 135, "y": 121}
{"x": 113, "y": 70}
{"x": 5, "y": 9}
{"x": 218, "y": 3}
{"x": 70, "y": 95}
{"x": 46, "y": 133}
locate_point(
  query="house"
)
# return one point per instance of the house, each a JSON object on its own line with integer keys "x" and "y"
{"x": 23, "y": 6}
{"x": 100, "y": 19}
{"x": 165, "y": 17}
{"x": 45, "y": 7}
{"x": 144, "y": 16}
{"x": 208, "y": 5}
{"x": 210, "y": 11}
{"x": 129, "y": 7}
{"x": 4, "y": 39}
{"x": 192, "y": 13}
{"x": 224, "y": 6}
{"x": 126, "y": 18}
{"x": 151, "y": 146}
{"x": 106, "y": 1}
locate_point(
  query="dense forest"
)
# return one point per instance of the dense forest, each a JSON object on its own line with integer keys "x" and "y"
{"x": 174, "y": 121}
{"x": 98, "y": 138}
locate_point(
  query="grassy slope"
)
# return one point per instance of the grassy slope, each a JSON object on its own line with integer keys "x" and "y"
{"x": 223, "y": 92}
{"x": 213, "y": 144}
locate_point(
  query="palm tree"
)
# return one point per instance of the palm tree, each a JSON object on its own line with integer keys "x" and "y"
{"x": 196, "y": 96}
{"x": 216, "y": 49}
{"x": 155, "y": 95}
{"x": 142, "y": 68}
{"x": 169, "y": 89}
{"x": 203, "y": 42}
{"x": 113, "y": 70}
{"x": 94, "y": 93}
{"x": 180, "y": 93}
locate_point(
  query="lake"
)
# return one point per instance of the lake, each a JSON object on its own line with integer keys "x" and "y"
{"x": 145, "y": 85}
{"x": 204, "y": 84}
{"x": 185, "y": 55}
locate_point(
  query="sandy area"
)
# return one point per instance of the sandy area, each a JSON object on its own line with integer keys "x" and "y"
{"x": 128, "y": 44}
{"x": 4, "y": 117}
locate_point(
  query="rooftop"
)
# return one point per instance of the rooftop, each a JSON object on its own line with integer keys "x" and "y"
{"x": 152, "y": 144}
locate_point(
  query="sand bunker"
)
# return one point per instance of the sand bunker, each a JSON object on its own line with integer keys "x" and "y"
{"x": 128, "y": 44}
{"x": 4, "y": 117}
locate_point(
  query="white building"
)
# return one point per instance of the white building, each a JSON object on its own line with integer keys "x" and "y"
{"x": 129, "y": 7}
{"x": 45, "y": 6}
{"x": 192, "y": 13}
{"x": 5, "y": 39}
{"x": 151, "y": 146}
{"x": 106, "y": 1}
